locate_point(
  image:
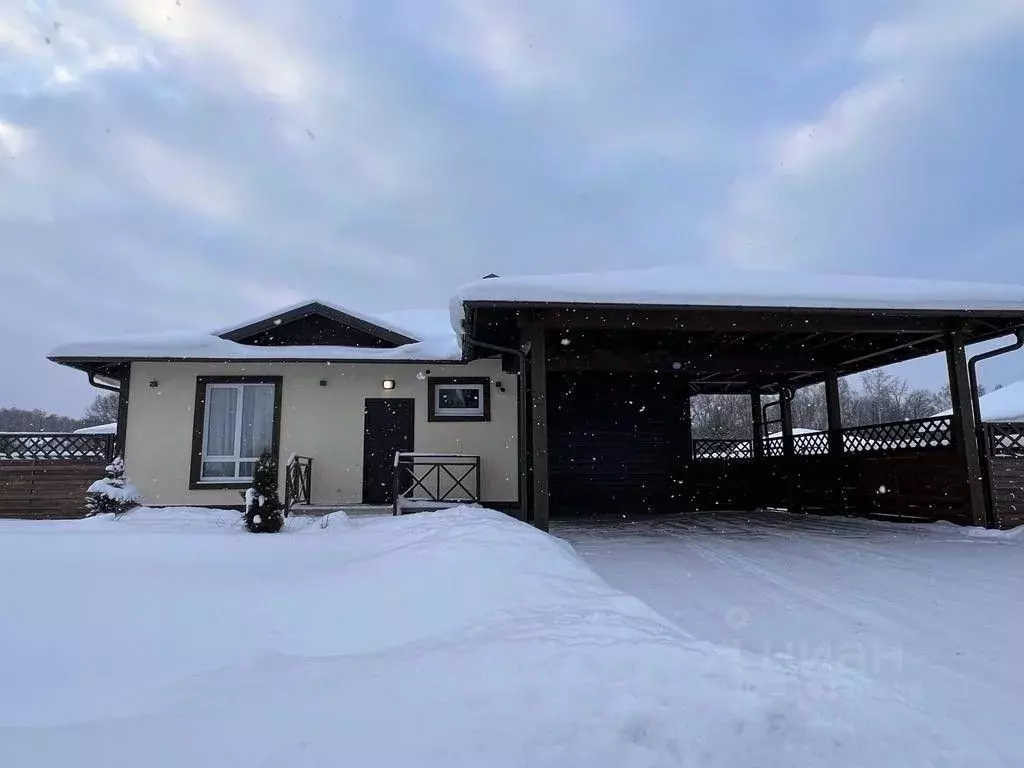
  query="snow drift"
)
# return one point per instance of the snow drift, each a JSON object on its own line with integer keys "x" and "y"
{"x": 459, "y": 638}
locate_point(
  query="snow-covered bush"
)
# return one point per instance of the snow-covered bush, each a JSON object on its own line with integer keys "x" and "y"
{"x": 114, "y": 493}
{"x": 264, "y": 512}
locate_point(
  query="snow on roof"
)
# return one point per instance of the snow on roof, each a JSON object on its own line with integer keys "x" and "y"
{"x": 419, "y": 323}
{"x": 207, "y": 346}
{"x": 688, "y": 286}
{"x": 381, "y": 321}
{"x": 99, "y": 429}
{"x": 1003, "y": 404}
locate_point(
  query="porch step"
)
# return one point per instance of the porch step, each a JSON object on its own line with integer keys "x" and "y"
{"x": 352, "y": 510}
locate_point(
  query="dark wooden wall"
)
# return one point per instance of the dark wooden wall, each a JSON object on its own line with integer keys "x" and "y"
{"x": 46, "y": 490}
{"x": 924, "y": 485}
{"x": 1007, "y": 491}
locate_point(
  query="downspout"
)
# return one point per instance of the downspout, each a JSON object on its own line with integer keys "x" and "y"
{"x": 972, "y": 374}
{"x": 524, "y": 483}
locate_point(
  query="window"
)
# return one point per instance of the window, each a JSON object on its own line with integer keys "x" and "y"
{"x": 459, "y": 399}
{"x": 237, "y": 420}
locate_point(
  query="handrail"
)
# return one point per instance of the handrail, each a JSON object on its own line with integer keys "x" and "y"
{"x": 448, "y": 478}
{"x": 298, "y": 482}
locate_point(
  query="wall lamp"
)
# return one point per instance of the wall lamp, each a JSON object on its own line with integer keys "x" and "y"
{"x": 389, "y": 384}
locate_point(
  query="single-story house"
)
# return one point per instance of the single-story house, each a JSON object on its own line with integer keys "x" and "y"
{"x": 572, "y": 392}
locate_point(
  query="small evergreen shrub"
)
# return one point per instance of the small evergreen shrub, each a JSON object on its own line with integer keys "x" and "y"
{"x": 114, "y": 493}
{"x": 264, "y": 512}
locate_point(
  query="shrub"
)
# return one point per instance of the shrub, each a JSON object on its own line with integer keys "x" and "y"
{"x": 264, "y": 512}
{"x": 114, "y": 493}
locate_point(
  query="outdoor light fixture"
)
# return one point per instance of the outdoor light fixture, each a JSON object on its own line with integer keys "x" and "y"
{"x": 323, "y": 382}
{"x": 389, "y": 384}
{"x": 153, "y": 383}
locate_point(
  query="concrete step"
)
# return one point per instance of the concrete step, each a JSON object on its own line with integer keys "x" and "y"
{"x": 352, "y": 510}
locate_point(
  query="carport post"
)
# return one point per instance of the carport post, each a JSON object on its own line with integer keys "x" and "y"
{"x": 757, "y": 421}
{"x": 833, "y": 409}
{"x": 539, "y": 422}
{"x": 965, "y": 430}
{"x": 788, "y": 448}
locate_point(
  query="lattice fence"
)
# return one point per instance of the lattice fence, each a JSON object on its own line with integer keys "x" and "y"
{"x": 773, "y": 446}
{"x": 712, "y": 448}
{"x": 810, "y": 443}
{"x": 921, "y": 434}
{"x": 1005, "y": 439}
{"x": 52, "y": 446}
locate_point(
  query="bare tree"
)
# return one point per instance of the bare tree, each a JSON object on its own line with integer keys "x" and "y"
{"x": 102, "y": 410}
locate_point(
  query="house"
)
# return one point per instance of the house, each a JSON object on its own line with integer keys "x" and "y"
{"x": 570, "y": 393}
{"x": 1003, "y": 404}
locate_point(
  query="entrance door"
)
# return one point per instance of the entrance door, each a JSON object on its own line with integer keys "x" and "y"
{"x": 387, "y": 428}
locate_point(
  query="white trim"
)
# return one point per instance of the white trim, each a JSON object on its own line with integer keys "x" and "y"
{"x": 463, "y": 413}
{"x": 235, "y": 458}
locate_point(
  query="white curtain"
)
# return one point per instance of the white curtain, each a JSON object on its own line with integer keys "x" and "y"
{"x": 221, "y": 407}
{"x": 257, "y": 419}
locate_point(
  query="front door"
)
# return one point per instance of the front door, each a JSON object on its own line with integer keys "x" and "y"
{"x": 388, "y": 428}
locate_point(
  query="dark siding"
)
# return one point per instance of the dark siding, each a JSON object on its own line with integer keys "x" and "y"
{"x": 615, "y": 442}
{"x": 316, "y": 330}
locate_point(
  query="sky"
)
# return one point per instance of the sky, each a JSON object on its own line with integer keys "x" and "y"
{"x": 182, "y": 164}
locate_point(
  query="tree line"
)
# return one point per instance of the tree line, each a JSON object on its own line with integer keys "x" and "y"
{"x": 880, "y": 397}
{"x": 102, "y": 410}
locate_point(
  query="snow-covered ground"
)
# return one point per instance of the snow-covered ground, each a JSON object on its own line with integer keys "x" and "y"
{"x": 465, "y": 638}
{"x": 933, "y": 612}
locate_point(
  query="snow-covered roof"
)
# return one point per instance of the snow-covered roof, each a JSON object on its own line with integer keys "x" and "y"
{"x": 1003, "y": 404}
{"x": 99, "y": 429}
{"x": 688, "y": 286}
{"x": 207, "y": 346}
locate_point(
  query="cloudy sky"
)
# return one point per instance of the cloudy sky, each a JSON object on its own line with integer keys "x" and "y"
{"x": 169, "y": 164}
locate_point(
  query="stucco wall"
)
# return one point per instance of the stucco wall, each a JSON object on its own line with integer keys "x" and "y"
{"x": 323, "y": 422}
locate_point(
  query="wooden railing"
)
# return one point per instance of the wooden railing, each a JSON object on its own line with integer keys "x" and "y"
{"x": 56, "y": 446}
{"x": 1004, "y": 439}
{"x": 722, "y": 448}
{"x": 435, "y": 480}
{"x": 298, "y": 482}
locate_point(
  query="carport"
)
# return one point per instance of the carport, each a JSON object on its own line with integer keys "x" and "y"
{"x": 609, "y": 362}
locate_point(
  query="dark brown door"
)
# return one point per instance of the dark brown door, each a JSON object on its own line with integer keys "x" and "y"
{"x": 387, "y": 428}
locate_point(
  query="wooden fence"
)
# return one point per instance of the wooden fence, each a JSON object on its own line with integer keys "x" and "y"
{"x": 44, "y": 476}
{"x": 1003, "y": 452}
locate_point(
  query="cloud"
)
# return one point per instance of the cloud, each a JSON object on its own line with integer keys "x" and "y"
{"x": 166, "y": 166}
{"x": 821, "y": 180}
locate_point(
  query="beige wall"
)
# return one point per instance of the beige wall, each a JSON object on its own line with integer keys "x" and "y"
{"x": 323, "y": 422}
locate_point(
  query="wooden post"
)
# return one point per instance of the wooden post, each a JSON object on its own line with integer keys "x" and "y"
{"x": 539, "y": 423}
{"x": 757, "y": 422}
{"x": 965, "y": 429}
{"x": 834, "y": 411}
{"x": 789, "y": 450}
{"x": 684, "y": 451}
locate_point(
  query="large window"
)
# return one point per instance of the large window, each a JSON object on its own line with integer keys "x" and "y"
{"x": 459, "y": 399}
{"x": 236, "y": 422}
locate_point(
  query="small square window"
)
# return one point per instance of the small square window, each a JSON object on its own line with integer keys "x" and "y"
{"x": 458, "y": 399}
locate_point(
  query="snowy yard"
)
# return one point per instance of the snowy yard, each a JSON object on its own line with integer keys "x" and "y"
{"x": 934, "y": 612}
{"x": 464, "y": 638}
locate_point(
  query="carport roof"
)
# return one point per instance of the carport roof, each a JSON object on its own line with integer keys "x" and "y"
{"x": 695, "y": 287}
{"x": 733, "y": 331}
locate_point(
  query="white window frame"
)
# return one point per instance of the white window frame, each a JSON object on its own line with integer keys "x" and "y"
{"x": 236, "y": 458}
{"x": 460, "y": 413}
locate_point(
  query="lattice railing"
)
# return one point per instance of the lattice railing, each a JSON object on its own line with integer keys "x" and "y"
{"x": 773, "y": 446}
{"x": 717, "y": 448}
{"x": 1005, "y": 439}
{"x": 55, "y": 446}
{"x": 810, "y": 443}
{"x": 917, "y": 435}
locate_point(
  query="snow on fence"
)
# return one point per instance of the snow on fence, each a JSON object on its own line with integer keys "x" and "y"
{"x": 56, "y": 446}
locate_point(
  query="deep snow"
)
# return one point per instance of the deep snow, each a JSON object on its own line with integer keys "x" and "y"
{"x": 459, "y": 638}
{"x": 932, "y": 611}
